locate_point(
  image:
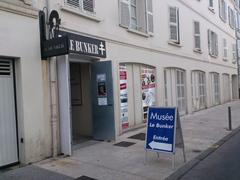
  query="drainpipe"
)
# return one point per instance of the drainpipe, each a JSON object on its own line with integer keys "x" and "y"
{"x": 53, "y": 96}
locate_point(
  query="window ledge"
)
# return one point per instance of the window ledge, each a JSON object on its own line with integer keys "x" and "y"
{"x": 213, "y": 56}
{"x": 198, "y": 51}
{"x": 211, "y": 9}
{"x": 225, "y": 59}
{"x": 234, "y": 62}
{"x": 138, "y": 32}
{"x": 80, "y": 13}
{"x": 174, "y": 43}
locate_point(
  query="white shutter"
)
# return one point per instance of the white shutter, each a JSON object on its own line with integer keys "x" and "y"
{"x": 88, "y": 5}
{"x": 209, "y": 42}
{"x": 141, "y": 16}
{"x": 225, "y": 10}
{"x": 197, "y": 35}
{"x": 173, "y": 22}
{"x": 225, "y": 48}
{"x": 215, "y": 44}
{"x": 124, "y": 13}
{"x": 149, "y": 10}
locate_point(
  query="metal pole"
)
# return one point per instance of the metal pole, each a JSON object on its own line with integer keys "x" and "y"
{"x": 229, "y": 119}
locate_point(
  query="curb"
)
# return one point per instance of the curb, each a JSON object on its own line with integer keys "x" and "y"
{"x": 192, "y": 163}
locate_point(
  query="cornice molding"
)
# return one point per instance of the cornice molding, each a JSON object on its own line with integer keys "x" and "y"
{"x": 20, "y": 9}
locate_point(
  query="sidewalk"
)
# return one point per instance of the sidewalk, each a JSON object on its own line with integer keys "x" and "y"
{"x": 106, "y": 161}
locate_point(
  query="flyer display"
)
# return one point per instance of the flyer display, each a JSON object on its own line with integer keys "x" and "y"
{"x": 123, "y": 96}
{"x": 148, "y": 80}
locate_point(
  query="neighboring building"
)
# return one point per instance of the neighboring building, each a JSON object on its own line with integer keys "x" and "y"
{"x": 124, "y": 55}
{"x": 25, "y": 132}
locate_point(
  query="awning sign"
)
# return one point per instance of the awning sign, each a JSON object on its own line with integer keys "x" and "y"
{"x": 69, "y": 43}
{"x": 161, "y": 129}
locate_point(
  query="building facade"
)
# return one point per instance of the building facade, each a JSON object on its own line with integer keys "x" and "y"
{"x": 25, "y": 134}
{"x": 124, "y": 56}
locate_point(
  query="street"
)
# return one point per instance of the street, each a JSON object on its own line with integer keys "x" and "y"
{"x": 222, "y": 164}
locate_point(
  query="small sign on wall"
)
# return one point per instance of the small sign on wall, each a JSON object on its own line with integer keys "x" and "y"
{"x": 102, "y": 90}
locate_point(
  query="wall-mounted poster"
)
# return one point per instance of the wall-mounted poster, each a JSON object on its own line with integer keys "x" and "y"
{"x": 101, "y": 90}
{"x": 148, "y": 80}
{"x": 123, "y": 96}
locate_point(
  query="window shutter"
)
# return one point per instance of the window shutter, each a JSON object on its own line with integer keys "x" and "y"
{"x": 88, "y": 5}
{"x": 216, "y": 44}
{"x": 209, "y": 42}
{"x": 197, "y": 35}
{"x": 225, "y": 10}
{"x": 125, "y": 13}
{"x": 141, "y": 16}
{"x": 149, "y": 16}
{"x": 173, "y": 19}
{"x": 229, "y": 15}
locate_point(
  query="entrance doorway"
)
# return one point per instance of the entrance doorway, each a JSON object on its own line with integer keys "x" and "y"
{"x": 81, "y": 117}
{"x": 86, "y": 104}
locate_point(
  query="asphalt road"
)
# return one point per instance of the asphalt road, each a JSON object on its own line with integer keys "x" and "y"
{"x": 222, "y": 164}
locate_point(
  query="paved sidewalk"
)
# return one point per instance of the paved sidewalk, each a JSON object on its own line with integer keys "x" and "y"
{"x": 105, "y": 161}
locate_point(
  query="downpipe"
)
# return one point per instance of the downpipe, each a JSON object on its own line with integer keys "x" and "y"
{"x": 53, "y": 94}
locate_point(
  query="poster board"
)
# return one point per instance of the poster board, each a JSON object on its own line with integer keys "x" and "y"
{"x": 161, "y": 129}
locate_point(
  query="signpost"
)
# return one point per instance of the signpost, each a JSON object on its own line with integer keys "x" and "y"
{"x": 164, "y": 131}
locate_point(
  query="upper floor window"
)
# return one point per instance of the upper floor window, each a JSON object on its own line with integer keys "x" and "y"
{"x": 197, "y": 39}
{"x": 225, "y": 49}
{"x": 174, "y": 24}
{"x": 211, "y": 5}
{"x": 223, "y": 10}
{"x": 212, "y": 43}
{"x": 234, "y": 54}
{"x": 137, "y": 15}
{"x": 231, "y": 15}
{"x": 83, "y": 5}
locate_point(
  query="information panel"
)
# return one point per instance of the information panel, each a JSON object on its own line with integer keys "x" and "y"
{"x": 161, "y": 129}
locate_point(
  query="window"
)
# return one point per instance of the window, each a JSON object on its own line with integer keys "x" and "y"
{"x": 137, "y": 15}
{"x": 197, "y": 39}
{"x": 223, "y": 10}
{"x": 225, "y": 49}
{"x": 198, "y": 90}
{"x": 211, "y": 5}
{"x": 215, "y": 88}
{"x": 212, "y": 43}
{"x": 174, "y": 24}
{"x": 234, "y": 54}
{"x": 83, "y": 5}
{"x": 175, "y": 89}
{"x": 237, "y": 20}
{"x": 231, "y": 17}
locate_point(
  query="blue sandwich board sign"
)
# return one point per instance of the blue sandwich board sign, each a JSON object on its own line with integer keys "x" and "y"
{"x": 161, "y": 129}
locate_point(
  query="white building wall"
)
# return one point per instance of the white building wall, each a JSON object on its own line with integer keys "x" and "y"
{"x": 126, "y": 46}
{"x": 19, "y": 40}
